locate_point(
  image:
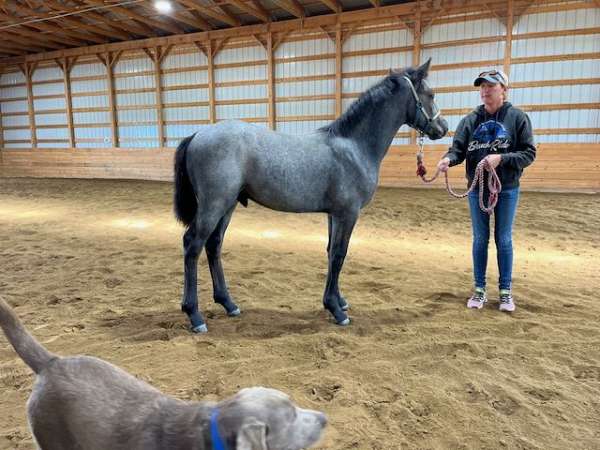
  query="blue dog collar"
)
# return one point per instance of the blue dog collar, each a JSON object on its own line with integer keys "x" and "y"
{"x": 217, "y": 441}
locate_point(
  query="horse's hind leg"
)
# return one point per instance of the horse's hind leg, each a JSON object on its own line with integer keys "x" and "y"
{"x": 341, "y": 300}
{"x": 213, "y": 254}
{"x": 194, "y": 240}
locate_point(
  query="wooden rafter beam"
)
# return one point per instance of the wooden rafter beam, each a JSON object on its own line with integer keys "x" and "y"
{"x": 60, "y": 28}
{"x": 139, "y": 18}
{"x": 14, "y": 36}
{"x": 182, "y": 17}
{"x": 291, "y": 6}
{"x": 15, "y": 45}
{"x": 27, "y": 31}
{"x": 375, "y": 3}
{"x": 252, "y": 10}
{"x": 333, "y": 5}
{"x": 217, "y": 13}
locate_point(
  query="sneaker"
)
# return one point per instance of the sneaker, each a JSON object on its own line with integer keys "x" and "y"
{"x": 507, "y": 304}
{"x": 478, "y": 299}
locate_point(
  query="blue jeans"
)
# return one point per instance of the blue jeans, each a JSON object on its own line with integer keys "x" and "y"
{"x": 504, "y": 216}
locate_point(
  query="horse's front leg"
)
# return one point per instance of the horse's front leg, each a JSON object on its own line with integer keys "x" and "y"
{"x": 340, "y": 232}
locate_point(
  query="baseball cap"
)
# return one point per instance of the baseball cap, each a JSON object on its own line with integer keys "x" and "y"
{"x": 492, "y": 76}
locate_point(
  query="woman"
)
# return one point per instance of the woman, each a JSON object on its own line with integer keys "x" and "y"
{"x": 502, "y": 134}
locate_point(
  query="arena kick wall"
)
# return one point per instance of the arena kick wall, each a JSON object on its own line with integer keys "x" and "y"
{"x": 118, "y": 110}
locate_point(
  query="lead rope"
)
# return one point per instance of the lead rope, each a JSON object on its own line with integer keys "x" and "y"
{"x": 494, "y": 184}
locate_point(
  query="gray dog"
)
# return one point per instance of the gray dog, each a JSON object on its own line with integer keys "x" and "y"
{"x": 84, "y": 403}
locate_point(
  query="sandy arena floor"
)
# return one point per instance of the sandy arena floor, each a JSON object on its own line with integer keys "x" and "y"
{"x": 95, "y": 267}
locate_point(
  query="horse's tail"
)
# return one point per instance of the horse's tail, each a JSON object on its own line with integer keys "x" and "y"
{"x": 185, "y": 203}
{"x": 31, "y": 351}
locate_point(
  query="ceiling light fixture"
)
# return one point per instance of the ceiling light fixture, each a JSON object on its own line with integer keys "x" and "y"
{"x": 163, "y": 6}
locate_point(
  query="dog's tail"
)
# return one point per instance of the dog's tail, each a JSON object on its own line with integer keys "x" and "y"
{"x": 184, "y": 201}
{"x": 30, "y": 350}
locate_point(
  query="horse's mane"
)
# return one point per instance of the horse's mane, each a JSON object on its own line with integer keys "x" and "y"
{"x": 368, "y": 100}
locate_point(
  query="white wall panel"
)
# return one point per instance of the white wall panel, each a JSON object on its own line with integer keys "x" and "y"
{"x": 53, "y": 133}
{"x": 381, "y": 61}
{"x": 555, "y": 70}
{"x": 47, "y": 73}
{"x": 95, "y": 101}
{"x": 241, "y": 92}
{"x": 463, "y": 30}
{"x": 306, "y": 108}
{"x": 103, "y": 133}
{"x": 141, "y": 98}
{"x": 137, "y": 115}
{"x": 359, "y": 85}
{"x": 136, "y": 65}
{"x": 251, "y": 72}
{"x": 455, "y": 77}
{"x": 558, "y": 45}
{"x": 177, "y": 132}
{"x": 301, "y": 128}
{"x": 14, "y": 106}
{"x": 88, "y": 69}
{"x": 185, "y": 95}
{"x": 241, "y": 111}
{"x": 13, "y": 92}
{"x": 584, "y": 93}
{"x": 83, "y": 86}
{"x": 17, "y": 135}
{"x": 305, "y": 48}
{"x": 12, "y": 78}
{"x": 563, "y": 20}
{"x": 51, "y": 119}
{"x": 464, "y": 53}
{"x": 49, "y": 103}
{"x": 15, "y": 121}
{"x": 179, "y": 60}
{"x": 189, "y": 113}
{"x": 137, "y": 82}
{"x": 377, "y": 40}
{"x": 238, "y": 55}
{"x": 452, "y": 100}
{"x": 185, "y": 78}
{"x": 298, "y": 88}
{"x": 91, "y": 117}
{"x": 568, "y": 138}
{"x": 304, "y": 68}
{"x": 565, "y": 119}
{"x": 141, "y": 132}
{"x": 48, "y": 89}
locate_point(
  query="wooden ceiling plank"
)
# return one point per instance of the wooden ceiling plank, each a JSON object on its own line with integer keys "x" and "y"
{"x": 240, "y": 4}
{"x": 220, "y": 15}
{"x": 291, "y": 6}
{"x": 177, "y": 16}
{"x": 21, "y": 39}
{"x": 335, "y": 5}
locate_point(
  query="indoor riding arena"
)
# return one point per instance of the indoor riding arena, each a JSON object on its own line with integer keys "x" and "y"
{"x": 95, "y": 97}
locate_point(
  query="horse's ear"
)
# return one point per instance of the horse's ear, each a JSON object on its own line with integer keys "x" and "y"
{"x": 423, "y": 70}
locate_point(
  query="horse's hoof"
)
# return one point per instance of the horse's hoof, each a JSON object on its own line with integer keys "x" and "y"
{"x": 344, "y": 322}
{"x": 236, "y": 312}
{"x": 200, "y": 329}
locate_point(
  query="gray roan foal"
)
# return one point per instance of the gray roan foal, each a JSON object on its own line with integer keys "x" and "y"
{"x": 333, "y": 170}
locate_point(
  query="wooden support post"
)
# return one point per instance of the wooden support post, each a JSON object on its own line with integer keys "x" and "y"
{"x": 66, "y": 64}
{"x": 416, "y": 56}
{"x": 338, "y": 69}
{"x": 210, "y": 51}
{"x": 271, "y": 81}
{"x": 157, "y": 58}
{"x": 109, "y": 60}
{"x": 508, "y": 43}
{"x": 28, "y": 69}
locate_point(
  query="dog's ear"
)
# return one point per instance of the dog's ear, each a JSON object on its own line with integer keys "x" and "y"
{"x": 252, "y": 436}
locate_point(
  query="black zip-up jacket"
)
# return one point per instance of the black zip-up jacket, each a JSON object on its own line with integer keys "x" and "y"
{"x": 507, "y": 132}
